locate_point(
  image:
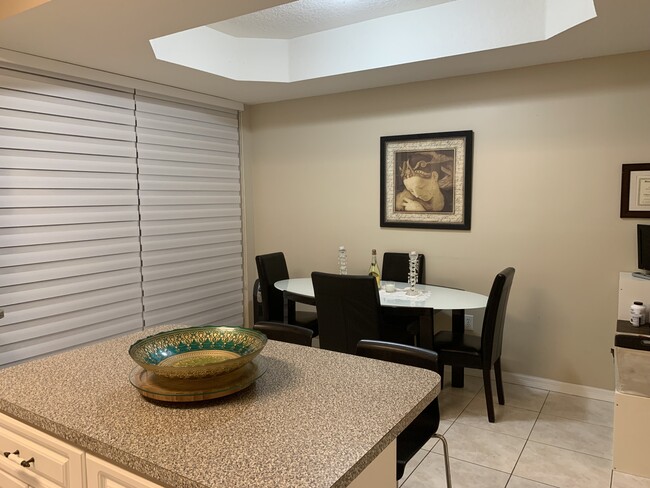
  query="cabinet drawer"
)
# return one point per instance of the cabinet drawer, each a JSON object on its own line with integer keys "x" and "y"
{"x": 7, "y": 481}
{"x": 56, "y": 464}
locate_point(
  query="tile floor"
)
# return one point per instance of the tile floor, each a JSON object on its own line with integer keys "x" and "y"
{"x": 540, "y": 439}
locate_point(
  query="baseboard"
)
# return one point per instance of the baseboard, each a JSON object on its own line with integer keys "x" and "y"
{"x": 552, "y": 385}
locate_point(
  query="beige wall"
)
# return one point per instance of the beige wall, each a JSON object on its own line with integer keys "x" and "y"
{"x": 549, "y": 144}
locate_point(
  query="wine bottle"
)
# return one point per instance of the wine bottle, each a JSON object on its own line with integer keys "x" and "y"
{"x": 374, "y": 267}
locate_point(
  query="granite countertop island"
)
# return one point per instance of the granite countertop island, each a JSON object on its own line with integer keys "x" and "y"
{"x": 316, "y": 418}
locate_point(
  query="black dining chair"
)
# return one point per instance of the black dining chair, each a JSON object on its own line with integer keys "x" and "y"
{"x": 481, "y": 352}
{"x": 279, "y": 331}
{"x": 348, "y": 310}
{"x": 426, "y": 424}
{"x": 395, "y": 267}
{"x": 270, "y": 269}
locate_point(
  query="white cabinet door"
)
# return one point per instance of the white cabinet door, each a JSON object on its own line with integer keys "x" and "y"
{"x": 102, "y": 474}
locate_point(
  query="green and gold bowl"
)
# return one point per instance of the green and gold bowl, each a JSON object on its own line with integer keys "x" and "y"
{"x": 197, "y": 352}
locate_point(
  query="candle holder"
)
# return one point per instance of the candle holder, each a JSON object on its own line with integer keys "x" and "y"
{"x": 343, "y": 261}
{"x": 413, "y": 274}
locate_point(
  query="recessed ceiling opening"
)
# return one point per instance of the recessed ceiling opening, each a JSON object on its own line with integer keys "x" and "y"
{"x": 311, "y": 39}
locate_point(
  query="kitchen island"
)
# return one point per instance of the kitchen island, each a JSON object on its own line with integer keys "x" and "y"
{"x": 316, "y": 418}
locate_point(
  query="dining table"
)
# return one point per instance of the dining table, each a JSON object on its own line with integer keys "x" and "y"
{"x": 427, "y": 300}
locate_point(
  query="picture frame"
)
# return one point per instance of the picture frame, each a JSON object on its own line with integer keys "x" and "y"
{"x": 635, "y": 190}
{"x": 426, "y": 180}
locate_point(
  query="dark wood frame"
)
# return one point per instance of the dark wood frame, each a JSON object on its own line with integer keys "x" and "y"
{"x": 626, "y": 187}
{"x": 392, "y": 148}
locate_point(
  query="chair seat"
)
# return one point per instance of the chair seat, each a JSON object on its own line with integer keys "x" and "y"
{"x": 279, "y": 331}
{"x": 471, "y": 344}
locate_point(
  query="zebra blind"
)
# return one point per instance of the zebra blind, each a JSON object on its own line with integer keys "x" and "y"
{"x": 69, "y": 236}
{"x": 190, "y": 205}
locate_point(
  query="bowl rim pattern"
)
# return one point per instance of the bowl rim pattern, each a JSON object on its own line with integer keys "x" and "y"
{"x": 253, "y": 345}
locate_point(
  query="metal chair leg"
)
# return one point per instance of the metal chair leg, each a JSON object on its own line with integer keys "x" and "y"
{"x": 445, "y": 449}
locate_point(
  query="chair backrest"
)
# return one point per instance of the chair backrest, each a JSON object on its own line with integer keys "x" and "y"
{"x": 420, "y": 430}
{"x": 271, "y": 268}
{"x": 348, "y": 310}
{"x": 395, "y": 267}
{"x": 495, "y": 315}
{"x": 277, "y": 331}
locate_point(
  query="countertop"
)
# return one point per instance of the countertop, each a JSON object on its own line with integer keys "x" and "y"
{"x": 625, "y": 327}
{"x": 316, "y": 418}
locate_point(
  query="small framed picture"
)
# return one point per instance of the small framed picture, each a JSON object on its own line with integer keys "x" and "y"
{"x": 426, "y": 180}
{"x": 635, "y": 191}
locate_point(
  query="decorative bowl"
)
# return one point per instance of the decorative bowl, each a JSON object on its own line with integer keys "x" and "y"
{"x": 197, "y": 352}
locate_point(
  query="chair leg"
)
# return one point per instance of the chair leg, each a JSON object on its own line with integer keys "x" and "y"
{"x": 441, "y": 372}
{"x": 445, "y": 450}
{"x": 499, "y": 381}
{"x": 487, "y": 386}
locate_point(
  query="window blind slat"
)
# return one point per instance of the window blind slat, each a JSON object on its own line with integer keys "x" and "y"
{"x": 170, "y": 168}
{"x": 38, "y": 160}
{"x": 181, "y": 155}
{"x": 230, "y": 315}
{"x": 52, "y": 124}
{"x": 31, "y": 102}
{"x": 222, "y": 127}
{"x": 221, "y": 264}
{"x": 179, "y": 140}
{"x": 25, "y": 217}
{"x": 30, "y": 236}
{"x": 41, "y": 141}
{"x": 171, "y": 212}
{"x": 180, "y": 313}
{"x": 188, "y": 254}
{"x": 35, "y": 273}
{"x": 23, "y": 312}
{"x": 69, "y": 286}
{"x": 58, "y": 342}
{"x": 188, "y": 184}
{"x": 45, "y": 253}
{"x": 74, "y": 320}
{"x": 164, "y": 227}
{"x": 230, "y": 279}
{"x": 65, "y": 198}
{"x": 15, "y": 178}
{"x": 179, "y": 241}
{"x": 53, "y": 87}
{"x": 177, "y": 110}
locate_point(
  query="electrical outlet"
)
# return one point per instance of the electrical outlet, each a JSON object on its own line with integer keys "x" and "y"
{"x": 469, "y": 322}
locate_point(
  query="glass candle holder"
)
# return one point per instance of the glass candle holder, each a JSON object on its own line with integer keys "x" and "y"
{"x": 413, "y": 274}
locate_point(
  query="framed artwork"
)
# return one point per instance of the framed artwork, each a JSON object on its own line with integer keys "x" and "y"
{"x": 426, "y": 180}
{"x": 635, "y": 190}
